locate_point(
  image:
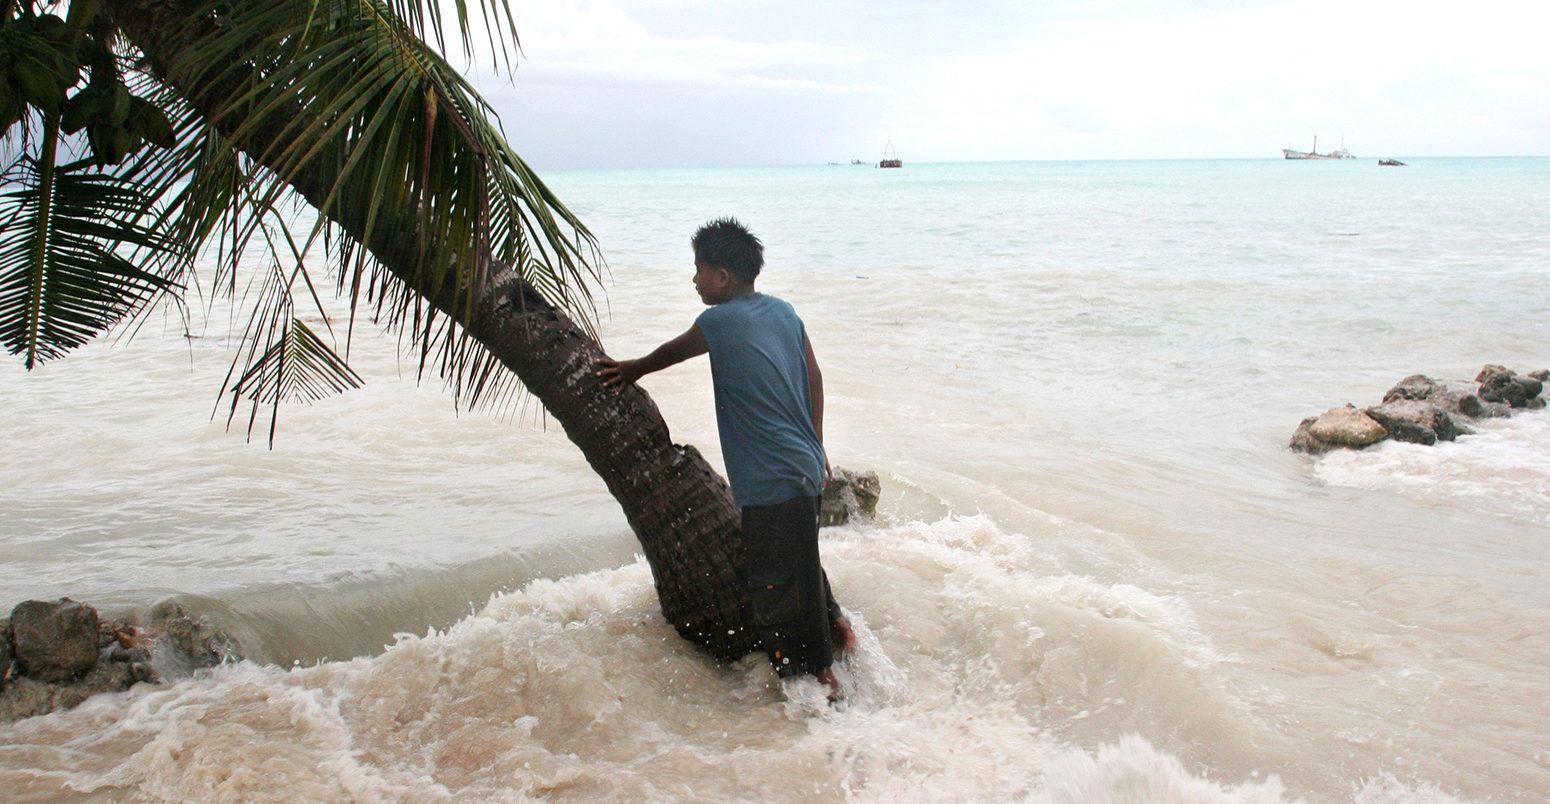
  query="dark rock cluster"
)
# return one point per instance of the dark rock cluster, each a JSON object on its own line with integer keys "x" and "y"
{"x": 56, "y": 654}
{"x": 848, "y": 494}
{"x": 1422, "y": 410}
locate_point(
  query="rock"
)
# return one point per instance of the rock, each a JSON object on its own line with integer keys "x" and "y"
{"x": 1415, "y": 421}
{"x": 25, "y": 697}
{"x": 1303, "y": 440}
{"x": 1423, "y": 410}
{"x": 64, "y": 653}
{"x": 1490, "y": 370}
{"x": 7, "y": 660}
{"x": 1416, "y": 386}
{"x": 1347, "y": 427}
{"x": 1454, "y": 401}
{"x": 28, "y": 697}
{"x": 1501, "y": 384}
{"x": 1464, "y": 402}
{"x": 55, "y": 641}
{"x": 1337, "y": 427}
{"x": 194, "y": 642}
{"x": 119, "y": 653}
{"x": 849, "y": 494}
{"x": 1505, "y": 387}
{"x": 1495, "y": 410}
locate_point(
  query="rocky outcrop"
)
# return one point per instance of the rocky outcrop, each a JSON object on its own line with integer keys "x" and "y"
{"x": 848, "y": 494}
{"x": 1499, "y": 384}
{"x": 1456, "y": 400}
{"x": 7, "y": 658}
{"x": 54, "y": 655}
{"x": 1337, "y": 427}
{"x": 1422, "y": 410}
{"x": 1415, "y": 420}
{"x": 55, "y": 641}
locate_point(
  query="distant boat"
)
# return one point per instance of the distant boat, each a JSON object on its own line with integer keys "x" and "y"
{"x": 1391, "y": 162}
{"x": 890, "y": 159}
{"x": 1341, "y": 153}
{"x": 855, "y": 161}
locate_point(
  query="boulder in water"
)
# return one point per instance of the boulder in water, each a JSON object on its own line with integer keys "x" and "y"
{"x": 1423, "y": 410}
{"x": 55, "y": 641}
{"x": 1454, "y": 400}
{"x": 1337, "y": 427}
{"x": 1415, "y": 421}
{"x": 54, "y": 655}
{"x": 7, "y": 660}
{"x": 1490, "y": 370}
{"x": 848, "y": 494}
{"x": 28, "y": 697}
{"x": 1505, "y": 386}
{"x": 190, "y": 642}
{"x": 1416, "y": 386}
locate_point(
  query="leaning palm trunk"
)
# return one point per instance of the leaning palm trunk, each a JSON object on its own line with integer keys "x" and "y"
{"x": 679, "y": 508}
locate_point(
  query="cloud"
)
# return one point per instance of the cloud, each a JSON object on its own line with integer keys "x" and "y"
{"x": 1206, "y": 83}
{"x": 598, "y": 88}
{"x": 599, "y": 42}
{"x": 674, "y": 82}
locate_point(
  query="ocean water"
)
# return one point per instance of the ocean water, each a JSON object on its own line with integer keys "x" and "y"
{"x": 1096, "y": 574}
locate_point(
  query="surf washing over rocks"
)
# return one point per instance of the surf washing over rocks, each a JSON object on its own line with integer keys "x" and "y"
{"x": 576, "y": 689}
{"x": 1422, "y": 410}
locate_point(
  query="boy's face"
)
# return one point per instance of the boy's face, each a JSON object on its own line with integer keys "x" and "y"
{"x": 714, "y": 285}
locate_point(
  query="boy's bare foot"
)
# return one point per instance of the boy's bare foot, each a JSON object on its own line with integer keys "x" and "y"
{"x": 842, "y": 636}
{"x": 826, "y": 675}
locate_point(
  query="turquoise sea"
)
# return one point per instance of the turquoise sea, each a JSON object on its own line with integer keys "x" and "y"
{"x": 1097, "y": 574}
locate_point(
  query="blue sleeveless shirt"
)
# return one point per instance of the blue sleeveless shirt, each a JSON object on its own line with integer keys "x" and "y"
{"x": 764, "y": 405}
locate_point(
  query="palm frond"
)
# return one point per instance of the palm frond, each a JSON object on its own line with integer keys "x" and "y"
{"x": 297, "y": 367}
{"x": 69, "y": 238}
{"x": 426, "y": 19}
{"x": 346, "y": 84}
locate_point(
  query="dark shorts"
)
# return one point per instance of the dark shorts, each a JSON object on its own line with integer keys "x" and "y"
{"x": 792, "y": 603}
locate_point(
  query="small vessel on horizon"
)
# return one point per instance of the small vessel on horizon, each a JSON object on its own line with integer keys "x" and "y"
{"x": 890, "y": 159}
{"x": 1340, "y": 153}
{"x": 1391, "y": 162}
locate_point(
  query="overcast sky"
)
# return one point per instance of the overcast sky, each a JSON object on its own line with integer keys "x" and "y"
{"x": 667, "y": 83}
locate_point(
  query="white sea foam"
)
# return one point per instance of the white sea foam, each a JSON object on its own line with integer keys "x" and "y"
{"x": 1502, "y": 469}
{"x": 976, "y": 678}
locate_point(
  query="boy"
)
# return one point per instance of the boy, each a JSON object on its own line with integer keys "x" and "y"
{"x": 769, "y": 413}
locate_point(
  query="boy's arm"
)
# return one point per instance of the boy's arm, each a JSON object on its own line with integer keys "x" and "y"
{"x": 620, "y": 373}
{"x": 815, "y": 389}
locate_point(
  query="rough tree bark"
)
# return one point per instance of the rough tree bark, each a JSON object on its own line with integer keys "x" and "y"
{"x": 680, "y": 509}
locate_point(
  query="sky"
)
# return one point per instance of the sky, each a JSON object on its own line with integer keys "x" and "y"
{"x": 682, "y": 83}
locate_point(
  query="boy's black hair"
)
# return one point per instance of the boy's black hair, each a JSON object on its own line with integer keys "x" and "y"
{"x": 725, "y": 243}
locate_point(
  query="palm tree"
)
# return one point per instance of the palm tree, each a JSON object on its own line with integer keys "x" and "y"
{"x": 143, "y": 132}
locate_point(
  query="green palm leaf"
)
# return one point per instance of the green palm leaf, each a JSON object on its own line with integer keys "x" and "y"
{"x": 68, "y": 238}
{"x": 266, "y": 97}
{"x": 297, "y": 367}
{"x": 347, "y": 85}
